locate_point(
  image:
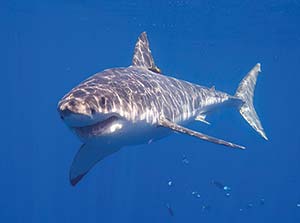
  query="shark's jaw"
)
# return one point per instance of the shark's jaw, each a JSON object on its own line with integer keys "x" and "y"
{"x": 101, "y": 128}
{"x": 88, "y": 125}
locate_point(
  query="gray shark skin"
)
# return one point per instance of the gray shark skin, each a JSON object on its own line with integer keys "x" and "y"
{"x": 138, "y": 105}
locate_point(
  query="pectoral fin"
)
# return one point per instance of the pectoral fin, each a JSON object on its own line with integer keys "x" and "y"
{"x": 87, "y": 156}
{"x": 177, "y": 128}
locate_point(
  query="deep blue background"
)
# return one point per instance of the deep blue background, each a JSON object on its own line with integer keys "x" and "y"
{"x": 47, "y": 47}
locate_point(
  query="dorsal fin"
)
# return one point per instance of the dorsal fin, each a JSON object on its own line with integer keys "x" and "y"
{"x": 142, "y": 54}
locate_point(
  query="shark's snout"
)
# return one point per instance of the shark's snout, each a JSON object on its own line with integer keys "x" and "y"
{"x": 73, "y": 106}
{"x": 75, "y": 112}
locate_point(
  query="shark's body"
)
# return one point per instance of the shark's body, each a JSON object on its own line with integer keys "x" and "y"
{"x": 138, "y": 104}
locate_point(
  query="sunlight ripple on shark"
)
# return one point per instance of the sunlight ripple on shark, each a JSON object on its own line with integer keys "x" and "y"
{"x": 138, "y": 104}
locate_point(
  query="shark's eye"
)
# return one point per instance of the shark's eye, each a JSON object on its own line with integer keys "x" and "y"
{"x": 102, "y": 101}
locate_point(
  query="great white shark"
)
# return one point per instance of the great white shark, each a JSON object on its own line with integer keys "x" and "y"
{"x": 138, "y": 104}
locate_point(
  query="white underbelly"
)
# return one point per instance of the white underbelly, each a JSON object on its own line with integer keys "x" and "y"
{"x": 132, "y": 134}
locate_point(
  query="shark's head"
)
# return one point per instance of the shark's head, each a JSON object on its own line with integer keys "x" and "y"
{"x": 89, "y": 111}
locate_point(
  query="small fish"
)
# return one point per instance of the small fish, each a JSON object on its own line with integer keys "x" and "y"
{"x": 249, "y": 205}
{"x": 218, "y": 184}
{"x": 185, "y": 160}
{"x": 170, "y": 210}
{"x": 196, "y": 194}
{"x": 206, "y": 207}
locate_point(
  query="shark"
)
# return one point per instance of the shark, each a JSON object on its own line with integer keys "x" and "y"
{"x": 138, "y": 104}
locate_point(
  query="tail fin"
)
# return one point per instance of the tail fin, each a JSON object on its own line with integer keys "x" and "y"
{"x": 245, "y": 92}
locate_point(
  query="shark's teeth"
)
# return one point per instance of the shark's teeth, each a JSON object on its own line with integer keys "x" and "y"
{"x": 98, "y": 129}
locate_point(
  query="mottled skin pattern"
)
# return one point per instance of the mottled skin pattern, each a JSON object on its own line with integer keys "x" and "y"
{"x": 138, "y": 94}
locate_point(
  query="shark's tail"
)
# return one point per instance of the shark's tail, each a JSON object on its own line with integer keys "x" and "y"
{"x": 245, "y": 92}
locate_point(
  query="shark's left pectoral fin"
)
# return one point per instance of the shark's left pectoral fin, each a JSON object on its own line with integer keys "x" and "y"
{"x": 178, "y": 128}
{"x": 87, "y": 156}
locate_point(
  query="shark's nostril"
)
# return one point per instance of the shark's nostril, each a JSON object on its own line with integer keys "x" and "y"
{"x": 72, "y": 103}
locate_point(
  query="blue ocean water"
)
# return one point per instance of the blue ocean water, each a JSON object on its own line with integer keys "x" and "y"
{"x": 47, "y": 47}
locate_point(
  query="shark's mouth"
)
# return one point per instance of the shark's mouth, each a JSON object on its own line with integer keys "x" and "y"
{"x": 97, "y": 129}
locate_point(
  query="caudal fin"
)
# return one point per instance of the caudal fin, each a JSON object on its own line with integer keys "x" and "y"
{"x": 245, "y": 92}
